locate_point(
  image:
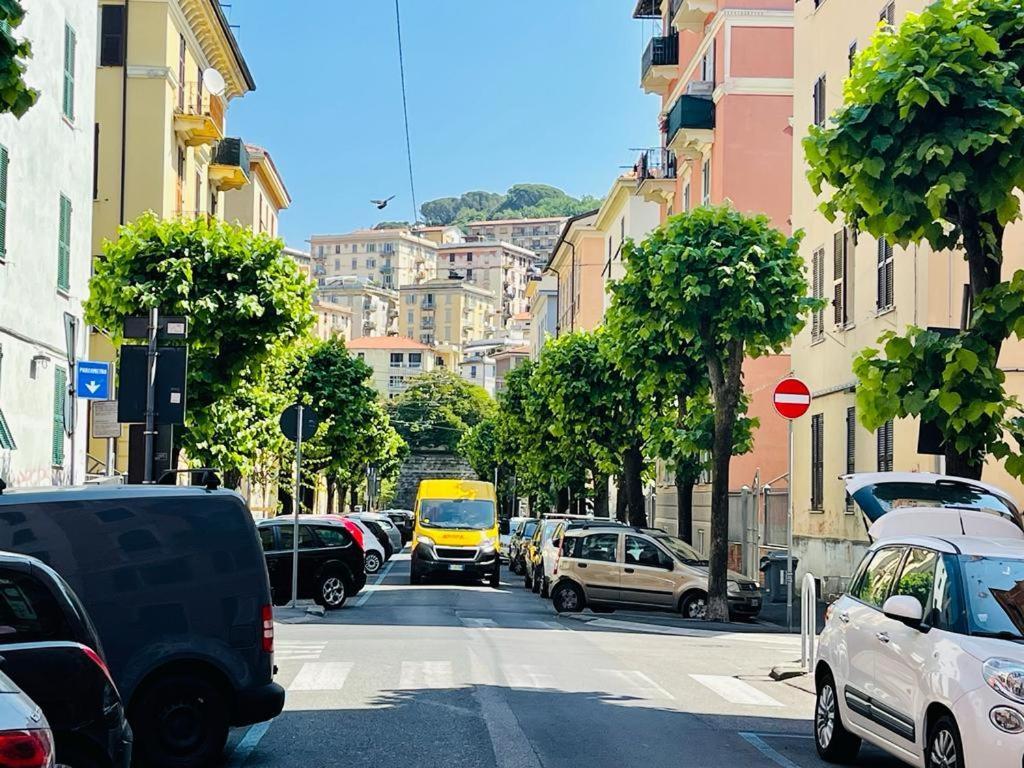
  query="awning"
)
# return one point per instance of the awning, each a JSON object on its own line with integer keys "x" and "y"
{"x": 6, "y": 438}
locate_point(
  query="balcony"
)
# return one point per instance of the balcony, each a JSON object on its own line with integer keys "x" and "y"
{"x": 660, "y": 64}
{"x": 200, "y": 120}
{"x": 656, "y": 175}
{"x": 690, "y": 15}
{"x": 427, "y": 306}
{"x": 386, "y": 269}
{"x": 690, "y": 125}
{"x": 229, "y": 166}
{"x": 427, "y": 323}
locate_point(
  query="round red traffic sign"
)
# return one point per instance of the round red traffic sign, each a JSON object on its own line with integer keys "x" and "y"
{"x": 792, "y": 398}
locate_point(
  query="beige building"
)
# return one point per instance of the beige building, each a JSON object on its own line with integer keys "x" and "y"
{"x": 447, "y": 312}
{"x": 542, "y": 296}
{"x": 577, "y": 262}
{"x": 394, "y": 360}
{"x": 388, "y": 257}
{"x": 497, "y": 267}
{"x": 303, "y": 260}
{"x": 374, "y": 309}
{"x": 258, "y": 205}
{"x": 871, "y": 287}
{"x": 332, "y": 321}
{"x": 505, "y": 361}
{"x": 440, "y": 235}
{"x": 537, "y": 235}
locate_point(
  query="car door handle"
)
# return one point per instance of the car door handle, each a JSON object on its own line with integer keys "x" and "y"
{"x": 629, "y": 570}
{"x": 844, "y": 617}
{"x": 883, "y": 637}
{"x": 581, "y": 565}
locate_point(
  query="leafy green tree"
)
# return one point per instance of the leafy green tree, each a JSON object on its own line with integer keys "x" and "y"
{"x": 479, "y": 446}
{"x": 724, "y": 286}
{"x": 436, "y": 410}
{"x": 245, "y": 299}
{"x": 392, "y": 225}
{"x": 927, "y": 148}
{"x": 521, "y": 201}
{"x": 15, "y": 96}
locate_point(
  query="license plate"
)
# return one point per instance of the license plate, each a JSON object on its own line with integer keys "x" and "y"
{"x": 456, "y": 567}
{"x": 756, "y": 602}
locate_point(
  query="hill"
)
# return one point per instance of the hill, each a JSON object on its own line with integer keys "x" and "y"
{"x": 522, "y": 201}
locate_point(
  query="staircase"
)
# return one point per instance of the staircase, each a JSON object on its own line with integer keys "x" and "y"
{"x": 424, "y": 465}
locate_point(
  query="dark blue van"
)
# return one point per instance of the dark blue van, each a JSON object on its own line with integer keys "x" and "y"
{"x": 175, "y": 581}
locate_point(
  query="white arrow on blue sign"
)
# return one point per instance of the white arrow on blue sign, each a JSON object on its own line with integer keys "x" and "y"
{"x": 92, "y": 380}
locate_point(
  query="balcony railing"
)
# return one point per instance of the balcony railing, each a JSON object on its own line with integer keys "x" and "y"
{"x": 657, "y": 163}
{"x": 199, "y": 116}
{"x": 232, "y": 151}
{"x": 661, "y": 52}
{"x": 690, "y": 112}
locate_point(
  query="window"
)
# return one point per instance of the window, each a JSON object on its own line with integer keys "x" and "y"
{"x": 426, "y": 338}
{"x": 415, "y": 359}
{"x": 646, "y": 553}
{"x": 333, "y": 536}
{"x": 472, "y": 371}
{"x": 819, "y": 101}
{"x": 60, "y": 386}
{"x": 267, "y": 538}
{"x": 111, "y": 35}
{"x": 818, "y": 292}
{"x": 396, "y": 382}
{"x": 469, "y": 274}
{"x": 451, "y": 258}
{"x": 886, "y": 299}
{"x": 817, "y": 462}
{"x": 319, "y": 250}
{"x": 918, "y": 576}
{"x": 4, "y": 161}
{"x": 29, "y": 613}
{"x": 884, "y": 439}
{"x": 888, "y": 14}
{"x": 686, "y": 197}
{"x": 877, "y": 579}
{"x": 409, "y": 317}
{"x": 306, "y": 540}
{"x": 355, "y": 263}
{"x": 64, "y": 245}
{"x": 469, "y": 258}
{"x": 706, "y": 182}
{"x": 397, "y": 359}
{"x": 371, "y": 263}
{"x": 181, "y": 73}
{"x": 371, "y": 248}
{"x": 842, "y": 277}
{"x": 354, "y": 247}
{"x": 602, "y": 547}
{"x": 337, "y": 249}
{"x": 707, "y": 64}
{"x": 179, "y": 201}
{"x": 851, "y": 449}
{"x": 68, "y": 103}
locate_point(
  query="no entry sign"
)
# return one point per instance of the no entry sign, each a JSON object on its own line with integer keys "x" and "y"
{"x": 792, "y": 398}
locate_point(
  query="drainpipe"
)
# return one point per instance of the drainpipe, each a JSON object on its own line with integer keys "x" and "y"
{"x": 572, "y": 287}
{"x": 558, "y": 300}
{"x": 124, "y": 114}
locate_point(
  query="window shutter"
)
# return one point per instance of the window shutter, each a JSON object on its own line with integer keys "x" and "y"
{"x": 64, "y": 245}
{"x": 60, "y": 385}
{"x": 4, "y": 160}
{"x": 817, "y": 461}
{"x": 885, "y": 274}
{"x": 851, "y": 447}
{"x": 890, "y": 298}
{"x": 817, "y": 291}
{"x": 839, "y": 278}
{"x": 884, "y": 447}
{"x": 69, "y": 72}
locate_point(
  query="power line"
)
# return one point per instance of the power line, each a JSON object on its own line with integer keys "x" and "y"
{"x": 405, "y": 112}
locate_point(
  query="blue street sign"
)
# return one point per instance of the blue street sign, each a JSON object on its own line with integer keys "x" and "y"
{"x": 92, "y": 380}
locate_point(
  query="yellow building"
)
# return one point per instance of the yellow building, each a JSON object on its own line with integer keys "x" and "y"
{"x": 166, "y": 72}
{"x": 445, "y": 312}
{"x": 259, "y": 204}
{"x": 871, "y": 287}
{"x": 394, "y": 360}
{"x": 332, "y": 321}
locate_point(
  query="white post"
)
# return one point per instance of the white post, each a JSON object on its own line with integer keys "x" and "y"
{"x": 808, "y": 622}
{"x": 296, "y": 501}
{"x": 789, "y": 538}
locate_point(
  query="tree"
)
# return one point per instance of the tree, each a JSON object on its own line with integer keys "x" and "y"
{"x": 436, "y": 410}
{"x": 479, "y": 446}
{"x": 927, "y": 148}
{"x": 15, "y": 96}
{"x": 721, "y": 285}
{"x": 521, "y": 201}
{"x": 392, "y": 225}
{"x": 245, "y": 301}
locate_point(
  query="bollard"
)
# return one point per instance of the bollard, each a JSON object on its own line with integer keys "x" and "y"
{"x": 808, "y": 621}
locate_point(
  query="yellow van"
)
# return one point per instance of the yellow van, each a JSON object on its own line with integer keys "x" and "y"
{"x": 456, "y": 531}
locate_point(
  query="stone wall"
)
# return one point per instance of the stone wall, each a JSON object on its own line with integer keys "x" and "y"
{"x": 424, "y": 465}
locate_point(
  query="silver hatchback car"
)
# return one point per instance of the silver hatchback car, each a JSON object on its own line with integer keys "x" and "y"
{"x": 24, "y": 733}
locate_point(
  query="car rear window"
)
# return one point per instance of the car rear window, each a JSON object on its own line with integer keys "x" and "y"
{"x": 29, "y": 612}
{"x": 333, "y": 536}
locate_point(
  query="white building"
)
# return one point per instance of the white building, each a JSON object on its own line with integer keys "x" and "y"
{"x": 388, "y": 257}
{"x": 374, "y": 309}
{"x": 46, "y": 191}
{"x": 499, "y": 267}
{"x": 543, "y": 297}
{"x": 394, "y": 360}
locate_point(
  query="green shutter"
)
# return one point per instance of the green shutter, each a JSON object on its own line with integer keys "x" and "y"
{"x": 3, "y": 201}
{"x": 69, "y": 72}
{"x": 6, "y": 438}
{"x": 64, "y": 245}
{"x": 60, "y": 385}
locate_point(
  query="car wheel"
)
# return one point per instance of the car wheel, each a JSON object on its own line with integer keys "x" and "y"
{"x": 180, "y": 721}
{"x": 835, "y": 744}
{"x": 372, "y": 562}
{"x": 944, "y": 750}
{"x": 545, "y": 587}
{"x": 567, "y": 597}
{"x": 331, "y": 592}
{"x": 694, "y": 606}
{"x": 495, "y": 578}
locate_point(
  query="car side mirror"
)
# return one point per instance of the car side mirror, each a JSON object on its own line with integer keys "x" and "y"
{"x": 557, "y": 543}
{"x": 905, "y": 609}
{"x": 670, "y": 566}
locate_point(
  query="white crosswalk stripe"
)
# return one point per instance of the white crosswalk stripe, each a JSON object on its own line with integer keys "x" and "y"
{"x": 526, "y": 676}
{"x": 636, "y": 683}
{"x": 321, "y": 676}
{"x": 475, "y": 623}
{"x": 298, "y": 651}
{"x": 426, "y": 674}
{"x": 736, "y": 691}
{"x": 545, "y": 625}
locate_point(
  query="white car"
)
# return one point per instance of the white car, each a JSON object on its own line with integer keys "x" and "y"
{"x": 25, "y": 736}
{"x": 924, "y": 656}
{"x": 373, "y": 550}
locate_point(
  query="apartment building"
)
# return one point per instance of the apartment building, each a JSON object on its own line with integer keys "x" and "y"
{"x": 445, "y": 312}
{"x": 332, "y": 321}
{"x": 440, "y": 235}
{"x": 388, "y": 257}
{"x": 303, "y": 260}
{"x": 577, "y": 262}
{"x": 499, "y": 267}
{"x": 394, "y": 360}
{"x": 505, "y": 361}
{"x": 871, "y": 287}
{"x": 45, "y": 248}
{"x": 374, "y": 308}
{"x": 542, "y": 297}
{"x": 537, "y": 235}
{"x": 259, "y": 204}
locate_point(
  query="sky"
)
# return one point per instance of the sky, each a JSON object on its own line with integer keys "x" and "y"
{"x": 499, "y": 93}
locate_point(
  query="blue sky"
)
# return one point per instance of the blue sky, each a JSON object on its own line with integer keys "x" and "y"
{"x": 500, "y": 93}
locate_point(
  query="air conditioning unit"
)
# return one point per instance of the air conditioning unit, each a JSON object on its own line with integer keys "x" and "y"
{"x": 703, "y": 88}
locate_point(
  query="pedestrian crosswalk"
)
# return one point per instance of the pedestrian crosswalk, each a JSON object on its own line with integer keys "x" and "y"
{"x": 426, "y": 674}
{"x": 321, "y": 676}
{"x": 736, "y": 691}
{"x": 293, "y": 651}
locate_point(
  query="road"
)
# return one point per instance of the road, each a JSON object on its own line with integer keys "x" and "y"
{"x": 462, "y": 674}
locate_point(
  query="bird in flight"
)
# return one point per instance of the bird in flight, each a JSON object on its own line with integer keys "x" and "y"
{"x": 382, "y": 204}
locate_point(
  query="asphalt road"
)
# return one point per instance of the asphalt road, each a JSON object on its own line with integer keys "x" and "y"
{"x": 464, "y": 675}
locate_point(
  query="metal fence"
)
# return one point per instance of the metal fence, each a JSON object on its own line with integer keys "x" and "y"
{"x": 776, "y": 512}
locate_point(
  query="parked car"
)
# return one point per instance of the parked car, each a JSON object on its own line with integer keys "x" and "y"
{"x": 403, "y": 520}
{"x": 175, "y": 581}
{"x": 534, "y": 569}
{"x": 330, "y": 562}
{"x": 374, "y": 554}
{"x": 612, "y": 566}
{"x": 25, "y": 737}
{"x": 923, "y": 655}
{"x": 392, "y": 539}
{"x": 517, "y": 545}
{"x": 549, "y": 550}
{"x": 52, "y": 652}
{"x": 507, "y": 529}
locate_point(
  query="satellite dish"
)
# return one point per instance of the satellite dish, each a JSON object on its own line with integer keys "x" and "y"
{"x": 213, "y": 81}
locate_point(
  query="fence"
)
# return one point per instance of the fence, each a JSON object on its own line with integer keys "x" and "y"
{"x": 776, "y": 514}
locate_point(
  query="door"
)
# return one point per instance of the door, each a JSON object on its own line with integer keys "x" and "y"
{"x": 646, "y": 573}
{"x": 598, "y": 566}
{"x": 275, "y": 567}
{"x": 309, "y": 563}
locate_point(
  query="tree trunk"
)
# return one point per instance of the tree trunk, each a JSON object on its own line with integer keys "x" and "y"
{"x": 354, "y": 498}
{"x": 684, "y": 507}
{"x": 601, "y": 495}
{"x": 562, "y": 502}
{"x": 330, "y": 496}
{"x": 632, "y": 470}
{"x": 621, "y": 510}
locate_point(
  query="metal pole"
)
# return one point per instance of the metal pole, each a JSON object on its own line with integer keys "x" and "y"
{"x": 111, "y": 456}
{"x": 295, "y": 509}
{"x": 789, "y": 537}
{"x": 150, "y": 434}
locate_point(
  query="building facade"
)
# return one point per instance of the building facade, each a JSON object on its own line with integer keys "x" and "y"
{"x": 374, "y": 309}
{"x": 498, "y": 267}
{"x": 440, "y": 235}
{"x": 46, "y": 190}
{"x": 394, "y": 360}
{"x": 542, "y": 296}
{"x": 332, "y": 321}
{"x": 445, "y": 312}
{"x": 577, "y": 262}
{"x": 387, "y": 257}
{"x": 537, "y": 235}
{"x": 259, "y": 204}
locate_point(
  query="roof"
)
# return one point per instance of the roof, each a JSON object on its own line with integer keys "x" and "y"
{"x": 647, "y": 9}
{"x": 233, "y": 43}
{"x": 565, "y": 230}
{"x": 386, "y": 342}
{"x": 27, "y": 495}
{"x": 477, "y": 245}
{"x": 513, "y": 351}
{"x": 521, "y": 316}
{"x": 261, "y": 159}
{"x": 491, "y": 222}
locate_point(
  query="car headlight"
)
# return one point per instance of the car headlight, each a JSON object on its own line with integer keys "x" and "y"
{"x": 733, "y": 587}
{"x": 489, "y": 543}
{"x": 425, "y": 541}
{"x": 1005, "y": 677}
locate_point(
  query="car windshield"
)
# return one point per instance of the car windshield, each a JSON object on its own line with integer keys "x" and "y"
{"x": 880, "y": 498}
{"x": 528, "y": 528}
{"x": 995, "y": 596}
{"x": 681, "y": 550}
{"x": 475, "y": 514}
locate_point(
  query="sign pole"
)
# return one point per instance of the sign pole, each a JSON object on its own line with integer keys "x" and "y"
{"x": 789, "y": 536}
{"x": 295, "y": 511}
{"x": 150, "y": 434}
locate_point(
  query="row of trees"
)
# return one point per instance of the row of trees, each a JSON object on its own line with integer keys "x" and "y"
{"x": 250, "y": 351}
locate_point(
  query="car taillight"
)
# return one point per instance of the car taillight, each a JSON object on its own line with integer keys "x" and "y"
{"x": 99, "y": 662}
{"x": 26, "y": 749}
{"x": 268, "y": 628}
{"x": 828, "y": 611}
